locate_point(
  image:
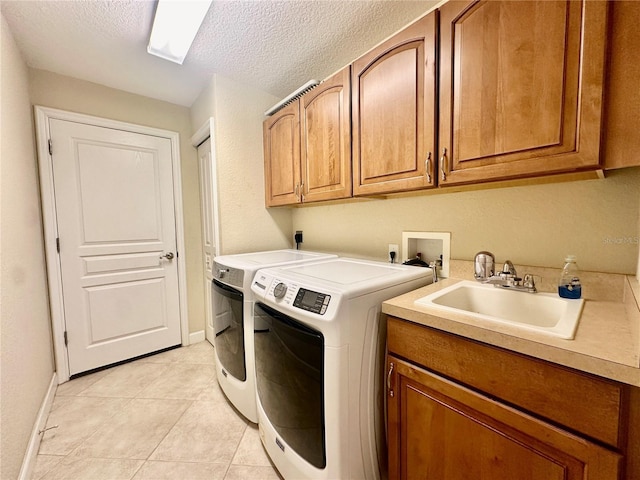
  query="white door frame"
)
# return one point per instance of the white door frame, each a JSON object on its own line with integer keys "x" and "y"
{"x": 54, "y": 276}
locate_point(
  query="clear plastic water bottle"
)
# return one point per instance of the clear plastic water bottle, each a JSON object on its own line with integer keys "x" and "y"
{"x": 569, "y": 285}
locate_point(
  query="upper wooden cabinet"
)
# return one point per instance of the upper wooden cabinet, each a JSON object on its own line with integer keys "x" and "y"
{"x": 307, "y": 149}
{"x": 474, "y": 92}
{"x": 622, "y": 93}
{"x": 521, "y": 88}
{"x": 326, "y": 139}
{"x": 281, "y": 137}
{"x": 394, "y": 112}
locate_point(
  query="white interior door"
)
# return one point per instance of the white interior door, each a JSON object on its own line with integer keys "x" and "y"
{"x": 209, "y": 222}
{"x": 116, "y": 224}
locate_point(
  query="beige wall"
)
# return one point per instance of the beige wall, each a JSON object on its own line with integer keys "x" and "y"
{"x": 531, "y": 225}
{"x": 26, "y": 360}
{"x": 66, "y": 93}
{"x": 245, "y": 224}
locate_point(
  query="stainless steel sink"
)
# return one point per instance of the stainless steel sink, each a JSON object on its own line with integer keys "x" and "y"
{"x": 541, "y": 312}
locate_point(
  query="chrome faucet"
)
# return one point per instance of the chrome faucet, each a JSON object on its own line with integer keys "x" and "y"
{"x": 507, "y": 278}
{"x": 508, "y": 270}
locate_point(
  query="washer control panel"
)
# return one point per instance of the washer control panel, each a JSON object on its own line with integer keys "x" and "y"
{"x": 312, "y": 301}
{"x": 288, "y": 295}
{"x": 280, "y": 290}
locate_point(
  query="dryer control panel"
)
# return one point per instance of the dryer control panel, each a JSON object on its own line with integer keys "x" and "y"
{"x": 229, "y": 275}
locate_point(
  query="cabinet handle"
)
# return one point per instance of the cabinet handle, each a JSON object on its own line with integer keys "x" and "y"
{"x": 443, "y": 164}
{"x": 389, "y": 379}
{"x": 297, "y": 191}
{"x": 302, "y": 191}
{"x": 427, "y": 167}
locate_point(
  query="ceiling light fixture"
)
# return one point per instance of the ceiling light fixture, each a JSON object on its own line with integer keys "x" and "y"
{"x": 175, "y": 26}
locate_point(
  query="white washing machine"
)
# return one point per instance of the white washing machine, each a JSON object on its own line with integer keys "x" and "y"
{"x": 234, "y": 324}
{"x": 319, "y": 364}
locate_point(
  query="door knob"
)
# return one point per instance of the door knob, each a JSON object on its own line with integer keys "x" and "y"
{"x": 168, "y": 256}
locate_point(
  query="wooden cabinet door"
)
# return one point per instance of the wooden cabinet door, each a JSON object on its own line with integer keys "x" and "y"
{"x": 440, "y": 430}
{"x": 326, "y": 139}
{"x": 622, "y": 94}
{"x": 394, "y": 112}
{"x": 520, "y": 88}
{"x": 281, "y": 137}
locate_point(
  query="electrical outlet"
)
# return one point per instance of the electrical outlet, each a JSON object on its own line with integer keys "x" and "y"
{"x": 393, "y": 252}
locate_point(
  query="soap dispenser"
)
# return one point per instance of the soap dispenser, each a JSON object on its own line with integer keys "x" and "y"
{"x": 569, "y": 285}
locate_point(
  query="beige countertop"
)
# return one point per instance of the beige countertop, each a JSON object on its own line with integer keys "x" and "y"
{"x": 607, "y": 341}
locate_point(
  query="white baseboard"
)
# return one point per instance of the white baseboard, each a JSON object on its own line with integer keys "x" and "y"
{"x": 196, "y": 337}
{"x": 30, "y": 456}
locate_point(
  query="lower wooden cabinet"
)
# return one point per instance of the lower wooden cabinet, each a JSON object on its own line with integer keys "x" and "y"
{"x": 459, "y": 409}
{"x": 441, "y": 430}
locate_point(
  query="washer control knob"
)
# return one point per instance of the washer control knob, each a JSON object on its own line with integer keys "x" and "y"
{"x": 280, "y": 290}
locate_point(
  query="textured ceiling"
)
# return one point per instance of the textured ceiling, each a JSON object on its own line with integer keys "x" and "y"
{"x": 275, "y": 46}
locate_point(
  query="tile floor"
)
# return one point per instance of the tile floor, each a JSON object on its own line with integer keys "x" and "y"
{"x": 160, "y": 417}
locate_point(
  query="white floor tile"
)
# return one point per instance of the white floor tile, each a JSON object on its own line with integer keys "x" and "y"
{"x": 77, "y": 418}
{"x": 78, "y": 468}
{"x": 212, "y": 393}
{"x": 180, "y": 381}
{"x": 199, "y": 353}
{"x": 135, "y": 431}
{"x": 78, "y": 385}
{"x": 250, "y": 451}
{"x": 126, "y": 381}
{"x": 160, "y": 417}
{"x": 207, "y": 432}
{"x": 243, "y": 472}
{"x": 45, "y": 463}
{"x": 181, "y": 471}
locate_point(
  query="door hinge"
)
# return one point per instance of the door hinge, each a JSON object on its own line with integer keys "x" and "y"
{"x": 50, "y": 147}
{"x": 58, "y": 244}
{"x": 66, "y": 339}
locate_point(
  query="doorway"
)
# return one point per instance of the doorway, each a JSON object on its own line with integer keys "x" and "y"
{"x": 203, "y": 141}
{"x": 113, "y": 232}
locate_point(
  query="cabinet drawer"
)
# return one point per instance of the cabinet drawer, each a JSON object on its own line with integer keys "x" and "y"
{"x": 581, "y": 402}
